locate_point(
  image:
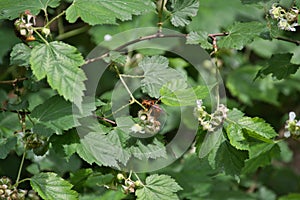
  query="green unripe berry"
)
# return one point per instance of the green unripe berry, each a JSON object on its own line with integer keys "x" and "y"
{"x": 120, "y": 177}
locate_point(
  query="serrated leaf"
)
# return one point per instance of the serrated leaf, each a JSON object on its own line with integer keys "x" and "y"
{"x": 12, "y": 9}
{"x": 153, "y": 150}
{"x": 6, "y": 145}
{"x": 241, "y": 34}
{"x": 107, "y": 11}
{"x": 240, "y": 83}
{"x": 240, "y": 129}
{"x": 211, "y": 142}
{"x": 56, "y": 114}
{"x": 156, "y": 73}
{"x": 199, "y": 37}
{"x": 230, "y": 159}
{"x": 51, "y": 187}
{"x": 259, "y": 156}
{"x": 280, "y": 66}
{"x": 105, "y": 149}
{"x": 161, "y": 187}
{"x": 183, "y": 97}
{"x": 20, "y": 55}
{"x": 183, "y": 11}
{"x": 60, "y": 62}
{"x": 65, "y": 145}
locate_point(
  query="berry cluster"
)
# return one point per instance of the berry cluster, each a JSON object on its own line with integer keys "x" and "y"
{"x": 148, "y": 122}
{"x": 292, "y": 127}
{"x": 210, "y": 122}
{"x": 128, "y": 185}
{"x": 287, "y": 19}
{"x": 8, "y": 192}
{"x": 24, "y": 26}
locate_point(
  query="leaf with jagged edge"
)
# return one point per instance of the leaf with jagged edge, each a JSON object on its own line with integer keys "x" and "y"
{"x": 240, "y": 128}
{"x": 240, "y": 34}
{"x": 60, "y": 62}
{"x": 52, "y": 187}
{"x": 183, "y": 11}
{"x": 161, "y": 187}
{"x": 6, "y": 145}
{"x": 280, "y": 66}
{"x": 175, "y": 93}
{"x": 20, "y": 55}
{"x": 107, "y": 11}
{"x": 55, "y": 114}
{"x": 12, "y": 9}
{"x": 260, "y": 155}
{"x": 157, "y": 73}
{"x": 230, "y": 159}
{"x": 199, "y": 37}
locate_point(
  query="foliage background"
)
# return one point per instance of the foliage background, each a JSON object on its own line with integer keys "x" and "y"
{"x": 259, "y": 70}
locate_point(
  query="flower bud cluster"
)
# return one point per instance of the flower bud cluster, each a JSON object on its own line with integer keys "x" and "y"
{"x": 287, "y": 19}
{"x": 128, "y": 185}
{"x": 8, "y": 192}
{"x": 292, "y": 127}
{"x": 147, "y": 123}
{"x": 24, "y": 25}
{"x": 210, "y": 122}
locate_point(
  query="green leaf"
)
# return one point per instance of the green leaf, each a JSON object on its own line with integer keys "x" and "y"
{"x": 105, "y": 149}
{"x": 211, "y": 142}
{"x": 107, "y": 11}
{"x": 240, "y": 83}
{"x": 9, "y": 123}
{"x": 183, "y": 11}
{"x": 199, "y": 37}
{"x": 182, "y": 97}
{"x": 51, "y": 187}
{"x": 6, "y": 145}
{"x": 292, "y": 196}
{"x": 241, "y": 34}
{"x": 161, "y": 187}
{"x": 20, "y": 55}
{"x": 155, "y": 149}
{"x": 65, "y": 145}
{"x": 296, "y": 56}
{"x": 240, "y": 128}
{"x": 254, "y": 1}
{"x": 259, "y": 156}
{"x": 59, "y": 63}
{"x": 279, "y": 66}
{"x": 230, "y": 159}
{"x": 7, "y": 39}
{"x": 56, "y": 114}
{"x": 13, "y": 9}
{"x": 156, "y": 73}
{"x": 116, "y": 57}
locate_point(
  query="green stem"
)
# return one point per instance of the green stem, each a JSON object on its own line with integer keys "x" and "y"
{"x": 21, "y": 181}
{"x": 55, "y": 18}
{"x": 132, "y": 76}
{"x": 160, "y": 15}
{"x": 72, "y": 33}
{"x": 20, "y": 168}
{"x": 40, "y": 36}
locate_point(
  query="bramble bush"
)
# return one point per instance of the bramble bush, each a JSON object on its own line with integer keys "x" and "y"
{"x": 147, "y": 100}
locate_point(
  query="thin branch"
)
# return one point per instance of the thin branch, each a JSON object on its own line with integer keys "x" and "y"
{"x": 140, "y": 39}
{"x": 105, "y": 119}
{"x": 160, "y": 15}
{"x": 55, "y": 18}
{"x": 297, "y": 42}
{"x": 13, "y": 82}
{"x": 214, "y": 36}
